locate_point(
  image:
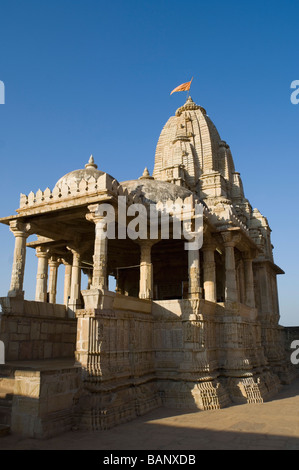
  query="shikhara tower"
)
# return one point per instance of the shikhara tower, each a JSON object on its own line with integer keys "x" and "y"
{"x": 196, "y": 329}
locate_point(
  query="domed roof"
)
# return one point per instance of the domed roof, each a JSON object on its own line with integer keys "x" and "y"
{"x": 152, "y": 191}
{"x": 86, "y": 173}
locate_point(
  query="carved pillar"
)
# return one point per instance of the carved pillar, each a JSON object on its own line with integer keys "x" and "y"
{"x": 146, "y": 270}
{"x": 42, "y": 274}
{"x": 67, "y": 282}
{"x": 97, "y": 293}
{"x": 53, "y": 265}
{"x": 209, "y": 272}
{"x": 249, "y": 283}
{"x": 231, "y": 290}
{"x": 75, "y": 294}
{"x": 194, "y": 273}
{"x": 21, "y": 232}
{"x": 99, "y": 277}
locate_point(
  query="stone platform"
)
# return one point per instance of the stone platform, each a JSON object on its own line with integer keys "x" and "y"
{"x": 36, "y": 397}
{"x": 268, "y": 426}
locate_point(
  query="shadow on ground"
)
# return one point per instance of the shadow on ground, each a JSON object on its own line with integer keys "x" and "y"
{"x": 271, "y": 425}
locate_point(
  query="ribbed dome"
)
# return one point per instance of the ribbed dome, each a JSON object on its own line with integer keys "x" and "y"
{"x": 86, "y": 173}
{"x": 189, "y": 146}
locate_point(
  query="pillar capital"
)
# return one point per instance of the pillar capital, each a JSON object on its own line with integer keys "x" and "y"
{"x": 94, "y": 216}
{"x": 20, "y": 229}
{"x": 42, "y": 252}
{"x": 75, "y": 251}
{"x": 65, "y": 262}
{"x": 146, "y": 242}
{"x": 230, "y": 238}
{"x": 54, "y": 261}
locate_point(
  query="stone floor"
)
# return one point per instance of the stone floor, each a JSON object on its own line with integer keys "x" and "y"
{"x": 271, "y": 425}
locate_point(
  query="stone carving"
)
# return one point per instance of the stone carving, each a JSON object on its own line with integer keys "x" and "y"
{"x": 81, "y": 189}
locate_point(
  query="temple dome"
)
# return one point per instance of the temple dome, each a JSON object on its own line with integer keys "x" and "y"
{"x": 152, "y": 191}
{"x": 90, "y": 170}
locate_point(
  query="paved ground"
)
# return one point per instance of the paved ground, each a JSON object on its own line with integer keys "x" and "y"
{"x": 271, "y": 425}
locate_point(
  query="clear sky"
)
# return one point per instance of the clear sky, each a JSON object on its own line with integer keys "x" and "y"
{"x": 94, "y": 77}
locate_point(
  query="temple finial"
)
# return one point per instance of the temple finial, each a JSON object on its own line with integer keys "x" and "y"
{"x": 91, "y": 163}
{"x": 146, "y": 174}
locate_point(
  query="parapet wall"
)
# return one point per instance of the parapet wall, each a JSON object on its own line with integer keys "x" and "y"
{"x": 81, "y": 189}
{"x": 36, "y": 330}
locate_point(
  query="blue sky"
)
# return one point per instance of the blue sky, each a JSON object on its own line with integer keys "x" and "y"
{"x": 90, "y": 76}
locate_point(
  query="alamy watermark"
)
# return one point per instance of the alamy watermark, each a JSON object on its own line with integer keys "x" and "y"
{"x": 295, "y": 93}
{"x": 295, "y": 354}
{"x": 2, "y": 353}
{"x": 2, "y": 93}
{"x": 154, "y": 221}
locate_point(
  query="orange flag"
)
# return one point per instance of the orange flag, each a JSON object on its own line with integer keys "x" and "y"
{"x": 183, "y": 87}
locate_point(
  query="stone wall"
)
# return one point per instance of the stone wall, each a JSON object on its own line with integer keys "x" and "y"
{"x": 36, "y": 330}
{"x": 43, "y": 400}
{"x": 208, "y": 356}
{"x": 196, "y": 354}
{"x": 115, "y": 349}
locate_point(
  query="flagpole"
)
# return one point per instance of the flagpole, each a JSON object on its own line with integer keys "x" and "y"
{"x": 189, "y": 88}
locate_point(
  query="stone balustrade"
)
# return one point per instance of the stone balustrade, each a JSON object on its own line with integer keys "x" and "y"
{"x": 84, "y": 188}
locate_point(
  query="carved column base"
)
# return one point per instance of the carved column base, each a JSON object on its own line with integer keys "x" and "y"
{"x": 97, "y": 298}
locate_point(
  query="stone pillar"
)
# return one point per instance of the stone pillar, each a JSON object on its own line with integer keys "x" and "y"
{"x": 194, "y": 273}
{"x": 231, "y": 290}
{"x": 209, "y": 272}
{"x": 42, "y": 274}
{"x": 53, "y": 265}
{"x": 21, "y": 232}
{"x": 249, "y": 283}
{"x": 89, "y": 279}
{"x": 99, "y": 277}
{"x": 97, "y": 294}
{"x": 75, "y": 293}
{"x": 67, "y": 282}
{"x": 146, "y": 270}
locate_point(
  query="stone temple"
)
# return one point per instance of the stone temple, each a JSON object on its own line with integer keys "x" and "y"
{"x": 193, "y": 329}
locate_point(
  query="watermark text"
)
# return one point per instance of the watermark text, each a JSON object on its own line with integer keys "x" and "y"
{"x": 136, "y": 221}
{"x": 295, "y": 354}
{"x": 295, "y": 93}
{"x": 2, "y": 93}
{"x": 2, "y": 353}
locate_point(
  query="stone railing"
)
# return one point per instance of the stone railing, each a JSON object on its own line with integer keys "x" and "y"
{"x": 83, "y": 188}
